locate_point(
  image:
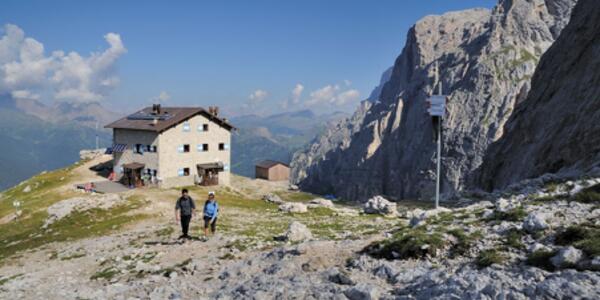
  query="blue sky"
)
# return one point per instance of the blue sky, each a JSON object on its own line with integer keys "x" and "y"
{"x": 222, "y": 52}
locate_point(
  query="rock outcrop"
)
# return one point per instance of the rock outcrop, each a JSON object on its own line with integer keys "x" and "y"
{"x": 486, "y": 60}
{"x": 556, "y": 129}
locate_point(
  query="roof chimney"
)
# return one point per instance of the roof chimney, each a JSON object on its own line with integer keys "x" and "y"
{"x": 156, "y": 109}
{"x": 213, "y": 110}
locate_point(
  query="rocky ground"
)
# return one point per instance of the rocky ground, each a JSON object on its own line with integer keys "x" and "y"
{"x": 540, "y": 239}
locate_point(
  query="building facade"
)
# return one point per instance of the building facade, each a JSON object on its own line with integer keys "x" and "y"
{"x": 172, "y": 146}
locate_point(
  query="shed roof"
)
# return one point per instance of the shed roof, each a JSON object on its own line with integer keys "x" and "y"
{"x": 134, "y": 165}
{"x": 169, "y": 117}
{"x": 270, "y": 163}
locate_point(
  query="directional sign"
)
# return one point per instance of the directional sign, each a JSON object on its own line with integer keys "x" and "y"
{"x": 437, "y": 105}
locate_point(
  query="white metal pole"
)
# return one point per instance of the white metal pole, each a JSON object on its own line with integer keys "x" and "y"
{"x": 439, "y": 146}
{"x": 97, "y": 144}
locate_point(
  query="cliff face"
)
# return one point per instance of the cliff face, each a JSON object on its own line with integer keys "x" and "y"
{"x": 557, "y": 128}
{"x": 486, "y": 60}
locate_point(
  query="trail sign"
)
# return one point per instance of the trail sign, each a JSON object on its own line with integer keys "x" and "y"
{"x": 436, "y": 105}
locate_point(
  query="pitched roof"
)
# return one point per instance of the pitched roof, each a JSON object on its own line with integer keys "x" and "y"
{"x": 168, "y": 117}
{"x": 269, "y": 163}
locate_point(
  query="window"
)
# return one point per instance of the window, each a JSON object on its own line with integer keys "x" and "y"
{"x": 186, "y": 148}
{"x": 138, "y": 149}
{"x": 226, "y": 167}
{"x": 202, "y": 147}
{"x": 150, "y": 148}
{"x": 202, "y": 127}
{"x": 154, "y": 149}
{"x": 221, "y": 146}
{"x": 186, "y": 171}
{"x": 186, "y": 126}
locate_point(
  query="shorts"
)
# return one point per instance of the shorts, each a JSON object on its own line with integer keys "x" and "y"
{"x": 213, "y": 226}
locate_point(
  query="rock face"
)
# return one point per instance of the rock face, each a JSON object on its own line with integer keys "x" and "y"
{"x": 486, "y": 60}
{"x": 556, "y": 128}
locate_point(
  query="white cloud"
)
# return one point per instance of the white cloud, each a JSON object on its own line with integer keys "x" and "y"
{"x": 70, "y": 77}
{"x": 332, "y": 95}
{"x": 162, "y": 97}
{"x": 256, "y": 98}
{"x": 347, "y": 97}
{"x": 24, "y": 94}
{"x": 297, "y": 93}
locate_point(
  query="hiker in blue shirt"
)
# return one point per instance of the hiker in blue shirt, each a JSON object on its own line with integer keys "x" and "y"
{"x": 211, "y": 211}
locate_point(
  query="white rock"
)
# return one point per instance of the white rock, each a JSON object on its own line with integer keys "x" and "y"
{"x": 27, "y": 189}
{"x": 504, "y": 205}
{"x": 272, "y": 198}
{"x": 537, "y": 247}
{"x": 568, "y": 256}
{"x": 419, "y": 216}
{"x": 380, "y": 205}
{"x": 535, "y": 221}
{"x": 487, "y": 213}
{"x": 320, "y": 202}
{"x": 362, "y": 291}
{"x": 297, "y": 232}
{"x": 293, "y": 207}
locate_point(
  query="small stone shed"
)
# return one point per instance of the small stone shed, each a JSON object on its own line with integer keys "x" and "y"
{"x": 272, "y": 170}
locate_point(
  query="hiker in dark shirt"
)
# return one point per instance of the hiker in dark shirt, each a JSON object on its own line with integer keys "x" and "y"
{"x": 185, "y": 208}
{"x": 211, "y": 211}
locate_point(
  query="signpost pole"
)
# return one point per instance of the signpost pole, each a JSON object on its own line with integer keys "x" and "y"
{"x": 439, "y": 164}
{"x": 437, "y": 109}
{"x": 439, "y": 145}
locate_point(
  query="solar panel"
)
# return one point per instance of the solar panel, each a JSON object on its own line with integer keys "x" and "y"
{"x": 141, "y": 115}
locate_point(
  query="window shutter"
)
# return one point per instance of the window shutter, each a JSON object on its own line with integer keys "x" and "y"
{"x": 186, "y": 126}
{"x": 226, "y": 146}
{"x": 200, "y": 128}
{"x": 180, "y": 172}
{"x": 199, "y": 148}
{"x": 180, "y": 149}
{"x": 226, "y": 167}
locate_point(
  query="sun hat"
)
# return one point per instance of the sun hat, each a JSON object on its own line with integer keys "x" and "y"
{"x": 211, "y": 193}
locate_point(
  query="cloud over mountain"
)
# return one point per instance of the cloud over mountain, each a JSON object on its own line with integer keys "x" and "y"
{"x": 26, "y": 71}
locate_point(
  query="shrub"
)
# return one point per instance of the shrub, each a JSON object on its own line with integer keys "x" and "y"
{"x": 541, "y": 259}
{"x": 464, "y": 241}
{"x": 489, "y": 257}
{"x": 513, "y": 215}
{"x": 407, "y": 243}
{"x": 588, "y": 195}
{"x": 585, "y": 237}
{"x": 513, "y": 238}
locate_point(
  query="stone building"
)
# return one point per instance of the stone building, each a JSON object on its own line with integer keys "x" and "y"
{"x": 172, "y": 146}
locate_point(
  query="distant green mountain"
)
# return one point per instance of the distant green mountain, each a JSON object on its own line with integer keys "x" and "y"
{"x": 274, "y": 137}
{"x": 31, "y": 145}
